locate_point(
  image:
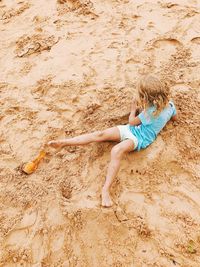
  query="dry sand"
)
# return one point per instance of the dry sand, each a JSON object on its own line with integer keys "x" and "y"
{"x": 68, "y": 67}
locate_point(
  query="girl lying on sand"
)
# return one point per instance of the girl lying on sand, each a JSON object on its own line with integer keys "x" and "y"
{"x": 141, "y": 131}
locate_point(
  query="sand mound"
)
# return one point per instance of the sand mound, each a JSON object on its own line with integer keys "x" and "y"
{"x": 69, "y": 67}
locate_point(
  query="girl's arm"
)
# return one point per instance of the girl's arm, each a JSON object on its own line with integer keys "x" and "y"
{"x": 133, "y": 120}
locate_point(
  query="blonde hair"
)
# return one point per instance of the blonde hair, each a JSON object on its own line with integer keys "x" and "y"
{"x": 153, "y": 92}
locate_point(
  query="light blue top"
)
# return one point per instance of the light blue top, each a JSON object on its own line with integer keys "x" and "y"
{"x": 151, "y": 125}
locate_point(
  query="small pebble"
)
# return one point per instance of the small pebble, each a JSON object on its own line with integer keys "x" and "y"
{"x": 15, "y": 259}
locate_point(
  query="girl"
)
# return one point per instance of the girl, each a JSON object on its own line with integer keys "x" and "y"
{"x": 141, "y": 131}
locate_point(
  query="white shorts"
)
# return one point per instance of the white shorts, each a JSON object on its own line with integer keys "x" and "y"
{"x": 125, "y": 134}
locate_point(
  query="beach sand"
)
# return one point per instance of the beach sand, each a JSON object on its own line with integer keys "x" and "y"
{"x": 70, "y": 67}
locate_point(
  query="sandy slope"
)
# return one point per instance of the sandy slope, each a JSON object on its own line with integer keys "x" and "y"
{"x": 69, "y": 67}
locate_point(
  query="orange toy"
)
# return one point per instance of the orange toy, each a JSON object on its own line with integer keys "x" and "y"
{"x": 31, "y": 166}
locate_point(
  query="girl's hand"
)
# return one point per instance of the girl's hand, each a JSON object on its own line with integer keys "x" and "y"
{"x": 134, "y": 104}
{"x": 135, "y": 109}
{"x": 134, "y": 101}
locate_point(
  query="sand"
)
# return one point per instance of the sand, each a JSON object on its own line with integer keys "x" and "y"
{"x": 70, "y": 67}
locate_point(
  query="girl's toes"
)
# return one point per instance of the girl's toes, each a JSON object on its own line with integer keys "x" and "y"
{"x": 106, "y": 200}
{"x": 50, "y": 143}
{"x": 53, "y": 144}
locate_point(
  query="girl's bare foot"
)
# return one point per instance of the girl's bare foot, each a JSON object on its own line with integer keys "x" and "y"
{"x": 106, "y": 200}
{"x": 55, "y": 144}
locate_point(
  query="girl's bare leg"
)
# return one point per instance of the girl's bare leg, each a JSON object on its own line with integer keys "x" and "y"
{"x": 110, "y": 134}
{"x": 113, "y": 168}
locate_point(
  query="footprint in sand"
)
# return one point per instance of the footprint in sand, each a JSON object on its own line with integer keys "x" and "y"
{"x": 45, "y": 242}
{"x": 162, "y": 50}
{"x": 57, "y": 240}
{"x": 38, "y": 248}
{"x": 194, "y": 46}
{"x": 20, "y": 235}
{"x": 30, "y": 243}
{"x": 196, "y": 40}
{"x": 181, "y": 201}
{"x": 16, "y": 244}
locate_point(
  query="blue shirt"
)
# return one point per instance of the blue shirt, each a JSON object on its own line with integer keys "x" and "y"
{"x": 151, "y": 125}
